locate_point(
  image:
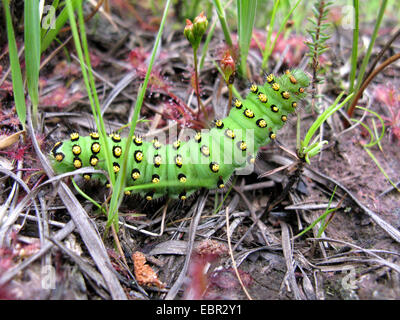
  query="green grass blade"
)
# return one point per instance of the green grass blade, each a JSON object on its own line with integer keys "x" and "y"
{"x": 222, "y": 20}
{"x": 270, "y": 28}
{"x": 61, "y": 19}
{"x": 218, "y": 208}
{"x": 367, "y": 56}
{"x": 96, "y": 109}
{"x": 268, "y": 51}
{"x": 87, "y": 197}
{"x": 381, "y": 169}
{"x": 323, "y": 224}
{"x": 325, "y": 115}
{"x": 377, "y": 141}
{"x": 312, "y": 225}
{"x": 32, "y": 54}
{"x": 87, "y": 81}
{"x": 18, "y": 87}
{"x": 246, "y": 17}
{"x": 48, "y": 17}
{"x": 119, "y": 186}
{"x": 354, "y": 51}
{"x": 374, "y": 141}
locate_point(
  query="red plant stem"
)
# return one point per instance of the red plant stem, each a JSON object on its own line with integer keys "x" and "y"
{"x": 383, "y": 65}
{"x": 179, "y": 101}
{"x": 380, "y": 55}
{"x": 315, "y": 58}
{"x": 87, "y": 18}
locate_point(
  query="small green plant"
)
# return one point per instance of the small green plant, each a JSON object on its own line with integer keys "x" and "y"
{"x": 269, "y": 48}
{"x": 246, "y": 13}
{"x": 318, "y": 44}
{"x": 374, "y": 140}
{"x": 322, "y": 218}
{"x": 310, "y": 147}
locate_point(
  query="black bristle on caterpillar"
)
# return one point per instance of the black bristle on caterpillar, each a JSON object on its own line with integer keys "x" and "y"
{"x": 208, "y": 160}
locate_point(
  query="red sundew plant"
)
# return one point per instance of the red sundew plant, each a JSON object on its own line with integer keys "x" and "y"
{"x": 9, "y": 258}
{"x": 95, "y": 60}
{"x": 390, "y": 97}
{"x": 293, "y": 47}
{"x": 227, "y": 55}
{"x": 18, "y": 151}
{"x": 181, "y": 112}
{"x": 206, "y": 280}
{"x": 207, "y": 252}
{"x": 176, "y": 112}
{"x": 18, "y": 250}
{"x": 219, "y": 283}
{"x": 197, "y": 277}
{"x": 116, "y": 262}
{"x": 6, "y": 263}
{"x": 176, "y": 108}
{"x": 137, "y": 58}
{"x": 226, "y": 279}
{"x": 60, "y": 97}
{"x": 335, "y": 15}
{"x": 228, "y": 66}
{"x": 65, "y": 69}
{"x": 6, "y": 89}
{"x": 6, "y": 259}
{"x": 9, "y": 118}
{"x": 15, "y": 153}
{"x": 125, "y": 7}
{"x": 296, "y": 49}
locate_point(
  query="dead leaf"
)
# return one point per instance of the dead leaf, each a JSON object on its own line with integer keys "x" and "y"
{"x": 6, "y": 141}
{"x": 6, "y": 164}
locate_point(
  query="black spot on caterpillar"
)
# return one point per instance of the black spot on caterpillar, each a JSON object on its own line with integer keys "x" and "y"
{"x": 209, "y": 159}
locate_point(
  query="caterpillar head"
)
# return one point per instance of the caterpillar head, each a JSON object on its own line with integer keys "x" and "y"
{"x": 295, "y": 82}
{"x": 58, "y": 157}
{"x": 67, "y": 155}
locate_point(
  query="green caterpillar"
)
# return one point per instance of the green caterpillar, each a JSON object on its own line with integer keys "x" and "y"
{"x": 208, "y": 159}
